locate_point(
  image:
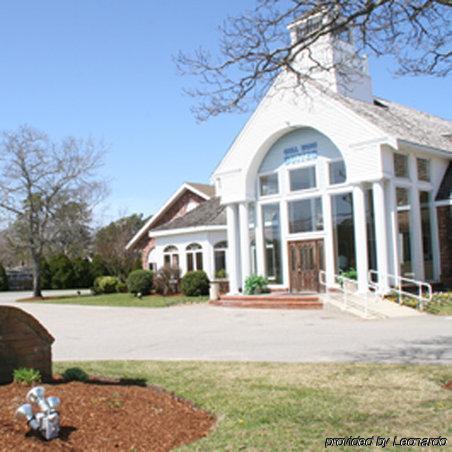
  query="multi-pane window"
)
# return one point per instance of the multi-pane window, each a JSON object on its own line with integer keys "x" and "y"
{"x": 305, "y": 215}
{"x": 171, "y": 256}
{"x": 404, "y": 235}
{"x": 400, "y": 165}
{"x": 269, "y": 184}
{"x": 194, "y": 257}
{"x": 272, "y": 240}
{"x": 402, "y": 197}
{"x": 302, "y": 178}
{"x": 338, "y": 174}
{"x": 427, "y": 244}
{"x": 423, "y": 169}
{"x": 343, "y": 231}
{"x": 219, "y": 252}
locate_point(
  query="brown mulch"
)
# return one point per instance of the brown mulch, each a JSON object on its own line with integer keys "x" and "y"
{"x": 105, "y": 415}
{"x": 448, "y": 385}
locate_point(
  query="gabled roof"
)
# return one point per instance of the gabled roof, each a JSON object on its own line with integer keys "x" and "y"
{"x": 208, "y": 190}
{"x": 403, "y": 122}
{"x": 203, "y": 190}
{"x": 209, "y": 213}
{"x": 445, "y": 189}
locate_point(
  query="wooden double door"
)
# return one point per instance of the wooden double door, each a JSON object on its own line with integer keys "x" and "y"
{"x": 306, "y": 259}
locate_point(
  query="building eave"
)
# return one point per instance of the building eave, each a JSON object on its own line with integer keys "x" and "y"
{"x": 148, "y": 225}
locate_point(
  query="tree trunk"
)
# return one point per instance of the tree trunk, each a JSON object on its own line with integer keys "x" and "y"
{"x": 37, "y": 277}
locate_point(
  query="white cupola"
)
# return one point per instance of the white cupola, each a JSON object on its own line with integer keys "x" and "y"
{"x": 332, "y": 59}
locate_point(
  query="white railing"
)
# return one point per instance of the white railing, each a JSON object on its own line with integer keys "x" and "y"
{"x": 422, "y": 292}
{"x": 346, "y": 286}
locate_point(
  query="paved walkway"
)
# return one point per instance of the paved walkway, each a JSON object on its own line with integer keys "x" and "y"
{"x": 202, "y": 332}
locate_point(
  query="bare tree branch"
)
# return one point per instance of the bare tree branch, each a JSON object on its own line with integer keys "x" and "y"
{"x": 255, "y": 48}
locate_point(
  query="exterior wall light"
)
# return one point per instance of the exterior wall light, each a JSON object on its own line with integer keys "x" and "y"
{"x": 47, "y": 420}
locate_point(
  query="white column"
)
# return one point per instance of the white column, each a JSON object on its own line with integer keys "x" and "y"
{"x": 359, "y": 219}
{"x": 394, "y": 263}
{"x": 233, "y": 248}
{"x": 330, "y": 267}
{"x": 245, "y": 250}
{"x": 381, "y": 228}
{"x": 417, "y": 251}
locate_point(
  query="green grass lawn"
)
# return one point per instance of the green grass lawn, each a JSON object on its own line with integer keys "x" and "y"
{"x": 121, "y": 300}
{"x": 288, "y": 407}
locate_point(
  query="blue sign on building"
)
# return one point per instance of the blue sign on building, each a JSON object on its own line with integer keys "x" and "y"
{"x": 301, "y": 153}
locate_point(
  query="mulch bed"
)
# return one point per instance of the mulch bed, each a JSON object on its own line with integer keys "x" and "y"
{"x": 103, "y": 415}
{"x": 448, "y": 385}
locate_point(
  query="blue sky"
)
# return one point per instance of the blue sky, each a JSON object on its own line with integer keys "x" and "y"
{"x": 104, "y": 68}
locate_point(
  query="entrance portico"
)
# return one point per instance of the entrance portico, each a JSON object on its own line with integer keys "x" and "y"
{"x": 308, "y": 214}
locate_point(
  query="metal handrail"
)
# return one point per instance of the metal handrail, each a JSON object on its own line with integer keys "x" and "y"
{"x": 343, "y": 284}
{"x": 424, "y": 290}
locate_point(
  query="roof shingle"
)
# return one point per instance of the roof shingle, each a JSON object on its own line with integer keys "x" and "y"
{"x": 208, "y": 213}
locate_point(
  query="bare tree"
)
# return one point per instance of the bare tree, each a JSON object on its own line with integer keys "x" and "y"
{"x": 38, "y": 178}
{"x": 255, "y": 46}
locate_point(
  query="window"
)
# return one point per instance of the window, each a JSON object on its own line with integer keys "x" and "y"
{"x": 219, "y": 253}
{"x": 152, "y": 266}
{"x": 404, "y": 236}
{"x": 343, "y": 231}
{"x": 194, "y": 257}
{"x": 305, "y": 215}
{"x": 269, "y": 184}
{"x": 302, "y": 178}
{"x": 309, "y": 27}
{"x": 427, "y": 245}
{"x": 400, "y": 165}
{"x": 338, "y": 173}
{"x": 171, "y": 256}
{"x": 272, "y": 240}
{"x": 402, "y": 197}
{"x": 423, "y": 169}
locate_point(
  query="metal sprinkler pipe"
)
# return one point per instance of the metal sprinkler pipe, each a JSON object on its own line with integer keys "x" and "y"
{"x": 47, "y": 421}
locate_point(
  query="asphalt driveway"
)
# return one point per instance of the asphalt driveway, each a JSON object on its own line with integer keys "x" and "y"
{"x": 202, "y": 332}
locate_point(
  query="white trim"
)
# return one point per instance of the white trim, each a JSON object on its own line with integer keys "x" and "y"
{"x": 443, "y": 202}
{"x": 154, "y": 218}
{"x": 423, "y": 148}
{"x": 180, "y": 231}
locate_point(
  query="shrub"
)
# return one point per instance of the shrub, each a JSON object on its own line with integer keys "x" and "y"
{"x": 46, "y": 275}
{"x": 195, "y": 284}
{"x": 122, "y": 287}
{"x": 75, "y": 374}
{"x": 99, "y": 267}
{"x": 221, "y": 274}
{"x": 140, "y": 281}
{"x": 62, "y": 272}
{"x": 351, "y": 273}
{"x": 83, "y": 274}
{"x": 166, "y": 280}
{"x": 106, "y": 284}
{"x": 3, "y": 279}
{"x": 255, "y": 285}
{"x": 27, "y": 376}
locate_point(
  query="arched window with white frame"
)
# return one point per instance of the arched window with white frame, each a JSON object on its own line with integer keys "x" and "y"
{"x": 219, "y": 254}
{"x": 171, "y": 256}
{"x": 194, "y": 257}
